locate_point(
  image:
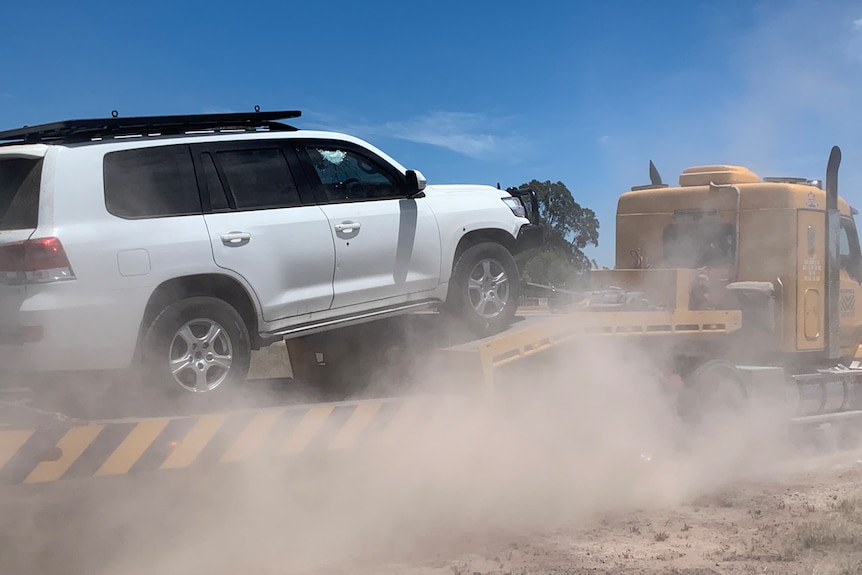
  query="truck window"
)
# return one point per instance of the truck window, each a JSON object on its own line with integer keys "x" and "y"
{"x": 20, "y": 179}
{"x": 848, "y": 249}
{"x": 696, "y": 244}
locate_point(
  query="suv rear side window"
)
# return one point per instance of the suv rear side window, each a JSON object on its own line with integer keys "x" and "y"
{"x": 20, "y": 179}
{"x": 151, "y": 182}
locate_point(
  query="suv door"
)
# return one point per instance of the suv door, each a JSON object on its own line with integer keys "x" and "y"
{"x": 386, "y": 245}
{"x": 264, "y": 227}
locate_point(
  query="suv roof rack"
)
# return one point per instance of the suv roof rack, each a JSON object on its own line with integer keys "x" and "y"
{"x": 113, "y": 127}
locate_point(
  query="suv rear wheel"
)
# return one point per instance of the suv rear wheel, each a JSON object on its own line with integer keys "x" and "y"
{"x": 484, "y": 289}
{"x": 197, "y": 345}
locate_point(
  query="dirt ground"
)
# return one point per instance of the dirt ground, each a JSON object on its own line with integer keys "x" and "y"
{"x": 808, "y": 519}
{"x": 801, "y": 516}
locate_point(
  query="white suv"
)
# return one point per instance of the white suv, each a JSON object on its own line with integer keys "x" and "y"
{"x": 181, "y": 243}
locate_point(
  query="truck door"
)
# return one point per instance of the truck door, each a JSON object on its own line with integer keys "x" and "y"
{"x": 810, "y": 280}
{"x": 851, "y": 289}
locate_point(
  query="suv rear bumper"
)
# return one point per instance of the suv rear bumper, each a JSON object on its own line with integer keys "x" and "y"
{"x": 69, "y": 334}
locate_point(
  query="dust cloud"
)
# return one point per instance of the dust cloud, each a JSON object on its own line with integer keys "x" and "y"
{"x": 588, "y": 430}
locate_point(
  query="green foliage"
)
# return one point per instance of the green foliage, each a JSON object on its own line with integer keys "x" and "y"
{"x": 569, "y": 229}
{"x": 550, "y": 266}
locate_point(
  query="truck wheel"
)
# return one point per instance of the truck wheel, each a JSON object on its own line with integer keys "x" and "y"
{"x": 196, "y": 345}
{"x": 484, "y": 289}
{"x": 713, "y": 391}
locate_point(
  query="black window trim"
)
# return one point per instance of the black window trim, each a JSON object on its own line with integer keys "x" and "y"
{"x": 301, "y": 144}
{"x": 203, "y": 183}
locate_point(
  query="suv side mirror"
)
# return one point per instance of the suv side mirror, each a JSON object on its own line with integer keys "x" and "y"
{"x": 415, "y": 184}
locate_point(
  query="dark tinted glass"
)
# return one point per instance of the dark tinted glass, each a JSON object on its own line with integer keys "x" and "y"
{"x": 151, "y": 182}
{"x": 20, "y": 179}
{"x": 259, "y": 178}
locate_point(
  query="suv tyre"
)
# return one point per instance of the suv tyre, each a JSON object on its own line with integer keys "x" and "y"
{"x": 484, "y": 289}
{"x": 196, "y": 345}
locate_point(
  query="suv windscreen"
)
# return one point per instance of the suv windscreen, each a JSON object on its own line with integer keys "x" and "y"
{"x": 20, "y": 179}
{"x": 151, "y": 182}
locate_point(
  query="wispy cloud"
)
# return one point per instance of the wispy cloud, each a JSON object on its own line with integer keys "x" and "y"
{"x": 855, "y": 41}
{"x": 466, "y": 133}
{"x": 796, "y": 99}
{"x": 473, "y": 135}
{"x": 779, "y": 110}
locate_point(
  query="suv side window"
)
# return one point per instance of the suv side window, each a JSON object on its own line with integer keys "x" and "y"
{"x": 257, "y": 178}
{"x": 151, "y": 182}
{"x": 19, "y": 193}
{"x": 346, "y": 175}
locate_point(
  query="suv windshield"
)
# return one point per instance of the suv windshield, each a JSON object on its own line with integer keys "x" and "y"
{"x": 19, "y": 193}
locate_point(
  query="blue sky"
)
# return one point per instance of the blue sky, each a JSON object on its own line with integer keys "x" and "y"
{"x": 481, "y": 92}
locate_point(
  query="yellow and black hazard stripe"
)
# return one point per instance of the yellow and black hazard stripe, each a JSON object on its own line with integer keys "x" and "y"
{"x": 99, "y": 449}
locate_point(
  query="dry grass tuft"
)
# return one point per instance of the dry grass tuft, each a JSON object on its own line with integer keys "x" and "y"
{"x": 852, "y": 506}
{"x": 837, "y": 531}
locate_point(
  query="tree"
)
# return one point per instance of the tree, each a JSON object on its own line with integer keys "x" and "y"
{"x": 569, "y": 229}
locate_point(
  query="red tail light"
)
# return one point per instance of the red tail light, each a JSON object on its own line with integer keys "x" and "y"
{"x": 41, "y": 260}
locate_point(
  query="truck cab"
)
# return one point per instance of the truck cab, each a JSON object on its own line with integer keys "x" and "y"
{"x": 725, "y": 238}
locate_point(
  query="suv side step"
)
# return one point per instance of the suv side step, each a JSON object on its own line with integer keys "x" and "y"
{"x": 324, "y": 325}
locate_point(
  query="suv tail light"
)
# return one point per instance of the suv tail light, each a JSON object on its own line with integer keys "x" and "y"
{"x": 41, "y": 260}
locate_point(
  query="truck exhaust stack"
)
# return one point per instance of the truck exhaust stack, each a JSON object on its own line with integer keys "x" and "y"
{"x": 833, "y": 278}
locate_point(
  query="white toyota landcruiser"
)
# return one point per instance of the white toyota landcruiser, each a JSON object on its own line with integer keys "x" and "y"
{"x": 181, "y": 243}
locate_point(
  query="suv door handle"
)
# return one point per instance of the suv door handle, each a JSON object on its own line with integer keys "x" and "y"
{"x": 347, "y": 226}
{"x": 235, "y": 238}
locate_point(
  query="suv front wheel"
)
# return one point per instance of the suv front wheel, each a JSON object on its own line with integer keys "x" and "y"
{"x": 484, "y": 289}
{"x": 197, "y": 345}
